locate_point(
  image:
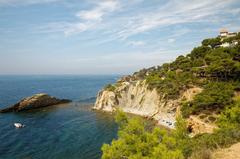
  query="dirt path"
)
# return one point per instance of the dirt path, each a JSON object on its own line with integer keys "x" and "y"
{"x": 232, "y": 152}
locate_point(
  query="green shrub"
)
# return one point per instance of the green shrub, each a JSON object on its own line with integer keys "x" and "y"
{"x": 110, "y": 87}
{"x": 213, "y": 42}
{"x": 172, "y": 84}
{"x": 216, "y": 95}
{"x": 199, "y": 52}
{"x": 203, "y": 153}
{"x": 135, "y": 141}
{"x": 230, "y": 118}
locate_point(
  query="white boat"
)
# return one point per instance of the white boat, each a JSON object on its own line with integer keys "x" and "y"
{"x": 18, "y": 125}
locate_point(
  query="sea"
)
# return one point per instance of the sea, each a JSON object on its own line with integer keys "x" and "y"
{"x": 67, "y": 131}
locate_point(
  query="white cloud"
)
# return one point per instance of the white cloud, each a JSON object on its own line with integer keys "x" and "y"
{"x": 127, "y": 23}
{"x": 24, "y": 2}
{"x": 65, "y": 27}
{"x": 78, "y": 27}
{"x": 87, "y": 19}
{"x": 99, "y": 11}
{"x": 171, "y": 40}
{"x": 234, "y": 11}
{"x": 136, "y": 43}
{"x": 92, "y": 17}
{"x": 172, "y": 13}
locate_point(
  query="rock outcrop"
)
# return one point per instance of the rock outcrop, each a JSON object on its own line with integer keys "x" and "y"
{"x": 35, "y": 101}
{"x": 197, "y": 126}
{"x": 135, "y": 97}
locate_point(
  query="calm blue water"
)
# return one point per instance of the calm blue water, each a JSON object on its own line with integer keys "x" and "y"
{"x": 69, "y": 131}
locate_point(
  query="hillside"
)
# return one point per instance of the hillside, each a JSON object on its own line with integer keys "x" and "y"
{"x": 202, "y": 87}
{"x": 199, "y": 85}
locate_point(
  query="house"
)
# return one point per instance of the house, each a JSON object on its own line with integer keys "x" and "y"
{"x": 225, "y": 44}
{"x": 225, "y": 34}
{"x": 231, "y": 34}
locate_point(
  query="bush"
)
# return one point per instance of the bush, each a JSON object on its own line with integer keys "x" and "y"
{"x": 181, "y": 62}
{"x": 135, "y": 142}
{"x": 215, "y": 96}
{"x": 110, "y": 87}
{"x": 230, "y": 118}
{"x": 199, "y": 52}
{"x": 228, "y": 132}
{"x": 172, "y": 84}
{"x": 213, "y": 42}
{"x": 203, "y": 153}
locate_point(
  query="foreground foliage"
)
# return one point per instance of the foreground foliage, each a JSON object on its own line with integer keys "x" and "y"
{"x": 137, "y": 141}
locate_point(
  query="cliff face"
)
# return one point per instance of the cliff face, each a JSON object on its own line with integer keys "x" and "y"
{"x": 135, "y": 97}
{"x": 131, "y": 97}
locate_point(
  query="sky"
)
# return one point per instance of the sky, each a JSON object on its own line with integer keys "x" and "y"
{"x": 105, "y": 36}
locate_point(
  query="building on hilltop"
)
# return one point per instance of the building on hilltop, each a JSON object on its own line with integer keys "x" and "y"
{"x": 225, "y": 34}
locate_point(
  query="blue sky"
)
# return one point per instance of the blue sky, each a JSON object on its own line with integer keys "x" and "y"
{"x": 105, "y": 36}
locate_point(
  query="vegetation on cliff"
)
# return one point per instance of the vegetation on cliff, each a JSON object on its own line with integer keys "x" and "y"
{"x": 214, "y": 97}
{"x": 201, "y": 66}
{"x": 214, "y": 68}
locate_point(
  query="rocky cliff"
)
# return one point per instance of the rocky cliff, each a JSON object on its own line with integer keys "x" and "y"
{"x": 135, "y": 97}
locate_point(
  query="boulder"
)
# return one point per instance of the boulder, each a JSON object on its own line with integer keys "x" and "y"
{"x": 35, "y": 101}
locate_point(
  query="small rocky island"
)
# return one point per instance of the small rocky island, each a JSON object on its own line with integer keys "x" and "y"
{"x": 35, "y": 101}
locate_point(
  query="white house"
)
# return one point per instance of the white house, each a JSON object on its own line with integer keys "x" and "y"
{"x": 225, "y": 34}
{"x": 225, "y": 45}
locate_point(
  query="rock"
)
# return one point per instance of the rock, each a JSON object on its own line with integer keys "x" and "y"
{"x": 35, "y": 101}
{"x": 197, "y": 126}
